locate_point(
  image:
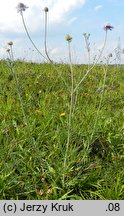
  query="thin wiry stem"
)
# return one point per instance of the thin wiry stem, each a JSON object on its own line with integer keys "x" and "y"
{"x": 100, "y": 103}
{"x": 17, "y": 84}
{"x": 12, "y": 68}
{"x": 45, "y": 38}
{"x": 86, "y": 37}
{"x": 70, "y": 112}
{"x": 92, "y": 65}
{"x": 30, "y": 37}
{"x": 35, "y": 45}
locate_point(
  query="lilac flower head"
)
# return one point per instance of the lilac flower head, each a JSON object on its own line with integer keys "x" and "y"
{"x": 108, "y": 26}
{"x": 21, "y": 7}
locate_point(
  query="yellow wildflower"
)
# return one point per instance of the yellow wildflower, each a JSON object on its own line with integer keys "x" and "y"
{"x": 38, "y": 112}
{"x": 62, "y": 114}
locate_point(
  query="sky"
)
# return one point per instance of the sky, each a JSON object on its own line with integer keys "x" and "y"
{"x": 73, "y": 17}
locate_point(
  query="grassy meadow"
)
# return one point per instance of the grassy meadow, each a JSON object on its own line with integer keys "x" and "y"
{"x": 33, "y": 141}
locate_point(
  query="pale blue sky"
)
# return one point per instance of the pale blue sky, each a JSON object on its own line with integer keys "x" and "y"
{"x": 72, "y": 17}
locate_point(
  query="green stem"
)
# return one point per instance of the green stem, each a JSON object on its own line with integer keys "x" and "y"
{"x": 70, "y": 113}
{"x": 17, "y": 84}
{"x": 100, "y": 102}
{"x": 45, "y": 38}
{"x": 92, "y": 65}
{"x": 30, "y": 37}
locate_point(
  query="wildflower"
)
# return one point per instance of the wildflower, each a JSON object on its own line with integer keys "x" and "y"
{"x": 46, "y": 9}
{"x": 39, "y": 112}
{"x": 21, "y": 7}
{"x": 10, "y": 43}
{"x": 110, "y": 55}
{"x": 87, "y": 35}
{"x": 108, "y": 27}
{"x": 40, "y": 92}
{"x": 8, "y": 50}
{"x": 62, "y": 114}
{"x": 68, "y": 38}
{"x": 99, "y": 90}
{"x": 49, "y": 190}
{"x": 40, "y": 192}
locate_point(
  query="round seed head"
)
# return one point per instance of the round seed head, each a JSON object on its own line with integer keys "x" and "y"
{"x": 46, "y": 9}
{"x": 10, "y": 43}
{"x": 8, "y": 50}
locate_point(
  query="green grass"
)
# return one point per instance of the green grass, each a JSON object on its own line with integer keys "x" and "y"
{"x": 32, "y": 156}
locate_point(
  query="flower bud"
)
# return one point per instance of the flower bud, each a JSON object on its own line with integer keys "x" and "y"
{"x": 10, "y": 43}
{"x": 68, "y": 38}
{"x": 46, "y": 9}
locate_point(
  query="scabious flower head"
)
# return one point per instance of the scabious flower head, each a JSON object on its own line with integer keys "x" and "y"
{"x": 21, "y": 7}
{"x": 46, "y": 9}
{"x": 68, "y": 38}
{"x": 108, "y": 26}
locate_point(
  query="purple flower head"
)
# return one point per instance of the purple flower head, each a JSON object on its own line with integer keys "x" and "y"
{"x": 108, "y": 26}
{"x": 21, "y": 7}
